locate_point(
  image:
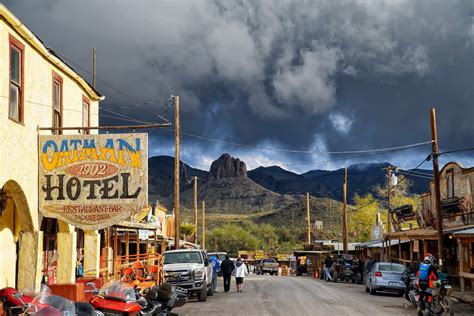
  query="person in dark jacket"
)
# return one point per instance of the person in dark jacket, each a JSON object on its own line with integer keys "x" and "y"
{"x": 227, "y": 266}
{"x": 328, "y": 266}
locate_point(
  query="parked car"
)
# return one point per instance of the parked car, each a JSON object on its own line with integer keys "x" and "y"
{"x": 267, "y": 266}
{"x": 385, "y": 276}
{"x": 189, "y": 269}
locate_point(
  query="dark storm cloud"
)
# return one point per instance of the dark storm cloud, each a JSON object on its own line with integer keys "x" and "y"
{"x": 321, "y": 75}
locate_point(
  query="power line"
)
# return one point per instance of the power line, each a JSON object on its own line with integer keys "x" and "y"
{"x": 403, "y": 180}
{"x": 414, "y": 175}
{"x": 98, "y": 78}
{"x": 147, "y": 55}
{"x": 125, "y": 116}
{"x": 378, "y": 150}
{"x": 337, "y": 159}
{"x": 122, "y": 117}
{"x": 135, "y": 104}
{"x": 456, "y": 151}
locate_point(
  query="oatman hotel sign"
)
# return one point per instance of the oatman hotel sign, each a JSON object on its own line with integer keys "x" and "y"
{"x": 93, "y": 181}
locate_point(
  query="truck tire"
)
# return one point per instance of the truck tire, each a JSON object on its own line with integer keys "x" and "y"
{"x": 202, "y": 296}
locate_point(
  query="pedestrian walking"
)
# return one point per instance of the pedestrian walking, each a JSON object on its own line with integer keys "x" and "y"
{"x": 327, "y": 269}
{"x": 227, "y": 267}
{"x": 240, "y": 271}
{"x": 215, "y": 266}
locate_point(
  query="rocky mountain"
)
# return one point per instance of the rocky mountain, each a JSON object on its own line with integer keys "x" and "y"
{"x": 161, "y": 175}
{"x": 265, "y": 194}
{"x": 226, "y": 188}
{"x": 227, "y": 167}
{"x": 361, "y": 179}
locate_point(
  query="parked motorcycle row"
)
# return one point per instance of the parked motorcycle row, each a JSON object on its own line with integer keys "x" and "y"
{"x": 114, "y": 298}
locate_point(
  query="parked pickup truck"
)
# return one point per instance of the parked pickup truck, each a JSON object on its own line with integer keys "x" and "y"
{"x": 267, "y": 266}
{"x": 189, "y": 269}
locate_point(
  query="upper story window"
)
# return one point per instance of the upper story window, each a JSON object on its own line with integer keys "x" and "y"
{"x": 15, "y": 109}
{"x": 450, "y": 183}
{"x": 57, "y": 102}
{"x": 86, "y": 115}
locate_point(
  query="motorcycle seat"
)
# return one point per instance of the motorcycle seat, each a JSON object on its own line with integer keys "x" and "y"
{"x": 160, "y": 293}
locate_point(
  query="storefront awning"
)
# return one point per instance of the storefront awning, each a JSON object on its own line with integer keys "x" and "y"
{"x": 468, "y": 232}
{"x": 413, "y": 234}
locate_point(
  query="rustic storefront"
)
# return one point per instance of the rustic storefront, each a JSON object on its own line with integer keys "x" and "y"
{"x": 41, "y": 91}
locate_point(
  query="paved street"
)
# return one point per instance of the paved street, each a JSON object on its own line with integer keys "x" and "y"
{"x": 271, "y": 295}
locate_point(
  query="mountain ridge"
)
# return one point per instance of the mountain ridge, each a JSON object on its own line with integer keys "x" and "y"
{"x": 362, "y": 179}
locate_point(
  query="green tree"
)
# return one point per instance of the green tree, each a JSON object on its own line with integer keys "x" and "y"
{"x": 187, "y": 229}
{"x": 232, "y": 238}
{"x": 400, "y": 195}
{"x": 361, "y": 219}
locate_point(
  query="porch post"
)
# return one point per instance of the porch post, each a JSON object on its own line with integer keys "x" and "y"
{"x": 91, "y": 253}
{"x": 29, "y": 261}
{"x": 461, "y": 266}
{"x": 67, "y": 257}
{"x": 399, "y": 250}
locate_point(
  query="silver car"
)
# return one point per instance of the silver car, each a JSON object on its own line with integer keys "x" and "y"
{"x": 385, "y": 276}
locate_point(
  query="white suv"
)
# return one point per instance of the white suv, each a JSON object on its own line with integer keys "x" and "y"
{"x": 189, "y": 269}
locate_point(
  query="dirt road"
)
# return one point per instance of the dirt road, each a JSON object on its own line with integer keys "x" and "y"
{"x": 272, "y": 295}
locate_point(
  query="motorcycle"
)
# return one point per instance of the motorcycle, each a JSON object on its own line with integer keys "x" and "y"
{"x": 44, "y": 304}
{"x": 166, "y": 297}
{"x": 412, "y": 290}
{"x": 436, "y": 300}
{"x": 440, "y": 299}
{"x": 118, "y": 298}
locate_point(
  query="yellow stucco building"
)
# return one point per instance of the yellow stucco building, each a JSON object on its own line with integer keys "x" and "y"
{"x": 37, "y": 89}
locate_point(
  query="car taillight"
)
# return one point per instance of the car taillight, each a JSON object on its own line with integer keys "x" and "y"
{"x": 378, "y": 274}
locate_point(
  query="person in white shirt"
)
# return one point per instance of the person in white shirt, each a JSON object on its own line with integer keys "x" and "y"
{"x": 240, "y": 271}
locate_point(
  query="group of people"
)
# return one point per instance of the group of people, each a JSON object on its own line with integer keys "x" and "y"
{"x": 229, "y": 269}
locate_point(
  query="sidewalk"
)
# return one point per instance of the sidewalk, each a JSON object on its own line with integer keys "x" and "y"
{"x": 468, "y": 297}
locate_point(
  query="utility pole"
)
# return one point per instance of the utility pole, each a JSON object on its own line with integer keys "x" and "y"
{"x": 93, "y": 66}
{"x": 308, "y": 219}
{"x": 330, "y": 209}
{"x": 195, "y": 209}
{"x": 439, "y": 216}
{"x": 293, "y": 219}
{"x": 389, "y": 170}
{"x": 344, "y": 213}
{"x": 203, "y": 225}
{"x": 176, "y": 175}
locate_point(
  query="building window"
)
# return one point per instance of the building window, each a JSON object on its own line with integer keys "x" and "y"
{"x": 86, "y": 115}
{"x": 57, "y": 102}
{"x": 450, "y": 183}
{"x": 15, "y": 110}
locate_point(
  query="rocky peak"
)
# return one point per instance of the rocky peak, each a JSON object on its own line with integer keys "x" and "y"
{"x": 227, "y": 167}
